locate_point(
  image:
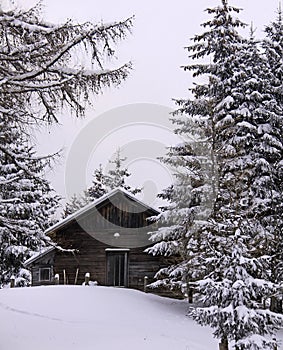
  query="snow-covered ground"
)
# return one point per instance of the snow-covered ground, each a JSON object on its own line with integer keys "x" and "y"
{"x": 102, "y": 318}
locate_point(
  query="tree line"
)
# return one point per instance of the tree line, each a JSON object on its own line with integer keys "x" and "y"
{"x": 221, "y": 229}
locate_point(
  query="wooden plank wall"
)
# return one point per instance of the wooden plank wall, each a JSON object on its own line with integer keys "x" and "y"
{"x": 91, "y": 257}
{"x": 46, "y": 261}
{"x": 95, "y": 231}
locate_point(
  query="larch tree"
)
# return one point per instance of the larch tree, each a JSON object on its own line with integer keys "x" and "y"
{"x": 39, "y": 73}
{"x": 27, "y": 203}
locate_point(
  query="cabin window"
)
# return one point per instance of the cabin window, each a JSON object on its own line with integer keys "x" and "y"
{"x": 45, "y": 274}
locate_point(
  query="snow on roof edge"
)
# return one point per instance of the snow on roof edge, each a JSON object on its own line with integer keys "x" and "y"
{"x": 93, "y": 204}
{"x": 37, "y": 255}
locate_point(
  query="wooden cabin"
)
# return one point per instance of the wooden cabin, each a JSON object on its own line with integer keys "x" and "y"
{"x": 106, "y": 239}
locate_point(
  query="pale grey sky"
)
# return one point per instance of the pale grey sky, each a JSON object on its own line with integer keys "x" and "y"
{"x": 161, "y": 30}
{"x": 156, "y": 48}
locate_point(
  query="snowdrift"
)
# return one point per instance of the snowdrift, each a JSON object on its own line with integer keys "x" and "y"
{"x": 101, "y": 318}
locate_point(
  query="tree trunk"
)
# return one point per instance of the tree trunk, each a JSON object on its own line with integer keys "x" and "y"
{"x": 12, "y": 282}
{"x": 223, "y": 345}
{"x": 190, "y": 295}
{"x": 275, "y": 305}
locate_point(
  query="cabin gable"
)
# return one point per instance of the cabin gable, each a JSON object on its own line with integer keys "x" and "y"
{"x": 118, "y": 210}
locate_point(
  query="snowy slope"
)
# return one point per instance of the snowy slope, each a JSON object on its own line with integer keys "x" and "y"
{"x": 84, "y": 318}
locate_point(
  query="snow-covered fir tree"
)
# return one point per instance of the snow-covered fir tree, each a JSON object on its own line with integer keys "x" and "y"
{"x": 75, "y": 203}
{"x": 237, "y": 101}
{"x": 190, "y": 200}
{"x": 248, "y": 146}
{"x": 27, "y": 202}
{"x": 98, "y": 187}
{"x": 115, "y": 177}
{"x": 118, "y": 174}
{"x": 273, "y": 49}
{"x": 40, "y": 72}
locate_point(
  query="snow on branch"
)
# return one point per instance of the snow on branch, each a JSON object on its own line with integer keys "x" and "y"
{"x": 37, "y": 68}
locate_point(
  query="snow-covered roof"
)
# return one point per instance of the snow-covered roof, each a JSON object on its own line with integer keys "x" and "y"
{"x": 37, "y": 255}
{"x": 94, "y": 204}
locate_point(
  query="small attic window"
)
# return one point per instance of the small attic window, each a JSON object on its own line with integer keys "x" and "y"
{"x": 44, "y": 274}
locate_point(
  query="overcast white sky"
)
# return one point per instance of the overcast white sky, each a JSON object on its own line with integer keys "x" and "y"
{"x": 161, "y": 30}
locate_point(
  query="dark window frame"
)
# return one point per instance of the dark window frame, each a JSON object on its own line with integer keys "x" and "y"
{"x": 41, "y": 269}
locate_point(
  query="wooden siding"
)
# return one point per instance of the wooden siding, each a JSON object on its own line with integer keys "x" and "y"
{"x": 46, "y": 261}
{"x": 118, "y": 222}
{"x": 91, "y": 257}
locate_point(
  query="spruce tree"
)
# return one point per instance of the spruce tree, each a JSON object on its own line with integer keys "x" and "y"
{"x": 102, "y": 183}
{"x": 244, "y": 134}
{"x": 98, "y": 187}
{"x": 196, "y": 116}
{"x": 181, "y": 236}
{"x": 247, "y": 145}
{"x": 75, "y": 203}
{"x": 118, "y": 174}
{"x": 273, "y": 50}
{"x": 27, "y": 202}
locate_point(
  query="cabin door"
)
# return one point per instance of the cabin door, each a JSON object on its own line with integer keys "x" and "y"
{"x": 117, "y": 268}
